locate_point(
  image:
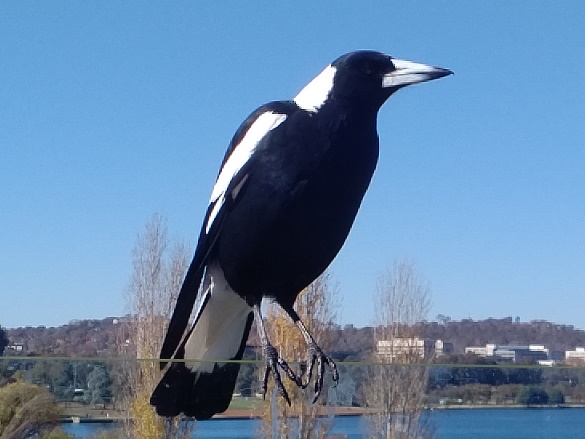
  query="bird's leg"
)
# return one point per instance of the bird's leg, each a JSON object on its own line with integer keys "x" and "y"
{"x": 273, "y": 361}
{"x": 314, "y": 355}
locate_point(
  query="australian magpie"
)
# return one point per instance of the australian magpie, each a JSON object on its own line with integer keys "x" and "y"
{"x": 285, "y": 198}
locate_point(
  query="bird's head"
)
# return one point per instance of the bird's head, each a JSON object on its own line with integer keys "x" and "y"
{"x": 364, "y": 78}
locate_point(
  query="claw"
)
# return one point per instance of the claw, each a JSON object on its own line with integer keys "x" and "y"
{"x": 303, "y": 370}
{"x": 289, "y": 372}
{"x": 311, "y": 358}
{"x": 273, "y": 361}
{"x": 316, "y": 355}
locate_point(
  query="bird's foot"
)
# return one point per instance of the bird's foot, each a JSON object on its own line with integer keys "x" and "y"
{"x": 273, "y": 362}
{"x": 316, "y": 356}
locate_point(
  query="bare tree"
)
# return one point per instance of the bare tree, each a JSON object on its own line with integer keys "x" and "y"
{"x": 397, "y": 381}
{"x": 316, "y": 306}
{"x": 158, "y": 271}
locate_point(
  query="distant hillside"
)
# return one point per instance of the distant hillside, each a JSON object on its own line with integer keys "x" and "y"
{"x": 79, "y": 338}
{"x": 98, "y": 338}
{"x": 505, "y": 331}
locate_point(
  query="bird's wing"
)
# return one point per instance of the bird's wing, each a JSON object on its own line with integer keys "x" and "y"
{"x": 233, "y": 175}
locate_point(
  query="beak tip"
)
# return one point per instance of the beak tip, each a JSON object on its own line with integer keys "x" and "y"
{"x": 444, "y": 72}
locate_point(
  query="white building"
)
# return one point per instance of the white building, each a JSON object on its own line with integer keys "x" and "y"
{"x": 578, "y": 354}
{"x": 423, "y": 348}
{"x": 482, "y": 351}
{"x": 18, "y": 347}
{"x": 443, "y": 348}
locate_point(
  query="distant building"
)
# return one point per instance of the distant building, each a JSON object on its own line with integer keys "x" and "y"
{"x": 423, "y": 348}
{"x": 443, "y": 348}
{"x": 520, "y": 354}
{"x": 548, "y": 363}
{"x": 17, "y": 347}
{"x": 556, "y": 355}
{"x": 576, "y": 355}
{"x": 482, "y": 351}
{"x": 511, "y": 354}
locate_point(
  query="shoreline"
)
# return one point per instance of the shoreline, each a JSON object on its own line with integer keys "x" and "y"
{"x": 504, "y": 406}
{"x": 339, "y": 411}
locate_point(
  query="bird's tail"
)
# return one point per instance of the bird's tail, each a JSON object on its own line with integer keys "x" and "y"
{"x": 202, "y": 385}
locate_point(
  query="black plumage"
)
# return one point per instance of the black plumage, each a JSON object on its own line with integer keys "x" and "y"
{"x": 286, "y": 196}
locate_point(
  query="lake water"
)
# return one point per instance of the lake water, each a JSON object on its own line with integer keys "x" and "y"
{"x": 549, "y": 423}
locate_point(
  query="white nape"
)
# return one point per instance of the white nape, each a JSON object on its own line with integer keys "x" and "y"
{"x": 316, "y": 92}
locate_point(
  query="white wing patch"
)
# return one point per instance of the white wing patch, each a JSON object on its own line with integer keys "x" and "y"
{"x": 220, "y": 326}
{"x": 316, "y": 92}
{"x": 265, "y": 123}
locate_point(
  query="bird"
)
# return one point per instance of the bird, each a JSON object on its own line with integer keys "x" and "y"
{"x": 285, "y": 198}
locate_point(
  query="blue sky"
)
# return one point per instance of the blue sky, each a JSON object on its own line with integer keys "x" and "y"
{"x": 111, "y": 111}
